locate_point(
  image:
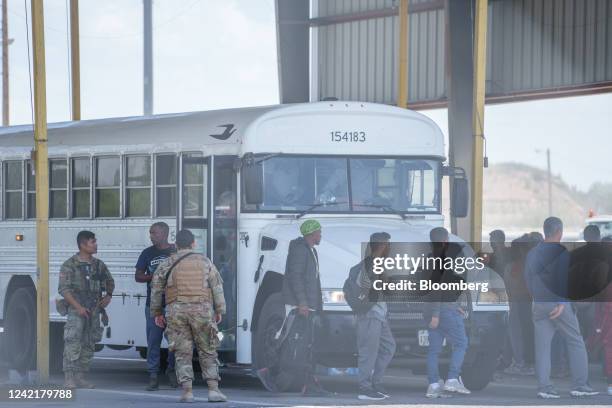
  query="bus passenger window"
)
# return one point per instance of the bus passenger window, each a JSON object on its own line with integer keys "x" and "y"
{"x": 195, "y": 177}
{"x": 107, "y": 187}
{"x": 81, "y": 184}
{"x": 58, "y": 185}
{"x": 13, "y": 189}
{"x": 138, "y": 186}
{"x": 165, "y": 184}
{"x": 30, "y": 190}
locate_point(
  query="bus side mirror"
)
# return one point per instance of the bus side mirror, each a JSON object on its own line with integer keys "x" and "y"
{"x": 253, "y": 183}
{"x": 460, "y": 201}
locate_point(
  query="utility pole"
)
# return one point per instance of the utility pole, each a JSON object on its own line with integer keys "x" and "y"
{"x": 42, "y": 193}
{"x": 548, "y": 179}
{"x": 75, "y": 60}
{"x": 148, "y": 57}
{"x": 5, "y": 64}
{"x": 549, "y": 182}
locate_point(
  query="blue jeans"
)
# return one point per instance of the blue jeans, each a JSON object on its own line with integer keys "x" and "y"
{"x": 452, "y": 328}
{"x": 155, "y": 335}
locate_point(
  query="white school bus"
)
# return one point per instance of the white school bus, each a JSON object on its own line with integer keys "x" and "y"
{"x": 242, "y": 180}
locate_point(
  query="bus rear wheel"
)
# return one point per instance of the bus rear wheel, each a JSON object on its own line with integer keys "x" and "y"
{"x": 21, "y": 329}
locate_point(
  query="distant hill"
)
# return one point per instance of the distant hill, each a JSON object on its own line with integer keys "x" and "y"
{"x": 516, "y": 197}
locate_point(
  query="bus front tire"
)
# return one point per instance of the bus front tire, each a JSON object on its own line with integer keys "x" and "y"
{"x": 21, "y": 329}
{"x": 270, "y": 321}
{"x": 477, "y": 375}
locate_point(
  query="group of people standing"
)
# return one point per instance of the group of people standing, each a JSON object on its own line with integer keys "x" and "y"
{"x": 558, "y": 299}
{"x": 375, "y": 343}
{"x": 184, "y": 298}
{"x": 536, "y": 269}
{"x": 185, "y": 301}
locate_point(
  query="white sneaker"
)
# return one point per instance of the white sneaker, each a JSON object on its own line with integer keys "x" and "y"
{"x": 583, "y": 391}
{"x": 434, "y": 391}
{"x": 455, "y": 385}
{"x": 609, "y": 389}
{"x": 549, "y": 393}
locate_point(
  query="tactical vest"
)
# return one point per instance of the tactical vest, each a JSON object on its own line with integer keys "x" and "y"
{"x": 188, "y": 282}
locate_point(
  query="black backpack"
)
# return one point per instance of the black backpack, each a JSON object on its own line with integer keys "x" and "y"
{"x": 296, "y": 347}
{"x": 356, "y": 297}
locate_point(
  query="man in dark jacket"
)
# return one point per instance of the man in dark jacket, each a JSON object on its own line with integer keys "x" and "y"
{"x": 301, "y": 291}
{"x": 445, "y": 315}
{"x": 588, "y": 273}
{"x": 302, "y": 284}
{"x": 588, "y": 277}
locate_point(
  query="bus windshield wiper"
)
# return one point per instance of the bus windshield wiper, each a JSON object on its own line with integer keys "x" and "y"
{"x": 252, "y": 159}
{"x": 386, "y": 208}
{"x": 312, "y": 207}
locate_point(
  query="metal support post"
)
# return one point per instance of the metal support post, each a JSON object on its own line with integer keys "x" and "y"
{"x": 402, "y": 91}
{"x": 75, "y": 60}
{"x": 148, "y": 57}
{"x": 42, "y": 193}
{"x": 480, "y": 61}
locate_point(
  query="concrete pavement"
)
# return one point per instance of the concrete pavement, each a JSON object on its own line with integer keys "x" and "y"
{"x": 121, "y": 378}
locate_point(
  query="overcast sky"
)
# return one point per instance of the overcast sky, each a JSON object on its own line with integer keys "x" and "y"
{"x": 213, "y": 54}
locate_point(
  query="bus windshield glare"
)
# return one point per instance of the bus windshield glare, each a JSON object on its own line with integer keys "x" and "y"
{"x": 340, "y": 184}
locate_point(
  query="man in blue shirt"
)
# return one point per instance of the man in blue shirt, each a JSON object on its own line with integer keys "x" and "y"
{"x": 546, "y": 275}
{"x": 147, "y": 263}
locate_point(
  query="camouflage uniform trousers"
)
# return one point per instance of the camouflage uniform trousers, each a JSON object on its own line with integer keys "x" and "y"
{"x": 190, "y": 323}
{"x": 80, "y": 338}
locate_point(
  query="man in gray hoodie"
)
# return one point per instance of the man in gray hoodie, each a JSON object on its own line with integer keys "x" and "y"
{"x": 375, "y": 342}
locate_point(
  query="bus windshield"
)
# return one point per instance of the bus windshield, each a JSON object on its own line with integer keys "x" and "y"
{"x": 341, "y": 184}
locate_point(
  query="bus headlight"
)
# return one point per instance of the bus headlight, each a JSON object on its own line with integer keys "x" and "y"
{"x": 333, "y": 297}
{"x": 492, "y": 297}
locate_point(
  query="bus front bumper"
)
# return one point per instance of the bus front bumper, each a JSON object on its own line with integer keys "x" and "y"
{"x": 336, "y": 340}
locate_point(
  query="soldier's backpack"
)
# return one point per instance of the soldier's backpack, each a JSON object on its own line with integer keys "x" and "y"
{"x": 356, "y": 297}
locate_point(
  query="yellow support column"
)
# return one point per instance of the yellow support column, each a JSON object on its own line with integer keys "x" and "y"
{"x": 402, "y": 91}
{"x": 42, "y": 193}
{"x": 480, "y": 64}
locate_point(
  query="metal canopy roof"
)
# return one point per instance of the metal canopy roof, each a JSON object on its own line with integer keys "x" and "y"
{"x": 536, "y": 49}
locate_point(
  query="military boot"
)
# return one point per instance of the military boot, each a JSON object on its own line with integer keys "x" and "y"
{"x": 81, "y": 382}
{"x": 153, "y": 383}
{"x": 214, "y": 394}
{"x": 187, "y": 395}
{"x": 69, "y": 381}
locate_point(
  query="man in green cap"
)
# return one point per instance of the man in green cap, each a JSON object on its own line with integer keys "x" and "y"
{"x": 302, "y": 287}
{"x": 302, "y": 284}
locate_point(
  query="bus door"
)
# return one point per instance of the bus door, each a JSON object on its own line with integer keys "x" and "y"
{"x": 193, "y": 205}
{"x": 225, "y": 240}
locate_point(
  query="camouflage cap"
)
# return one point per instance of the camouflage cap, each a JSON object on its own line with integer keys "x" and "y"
{"x": 309, "y": 226}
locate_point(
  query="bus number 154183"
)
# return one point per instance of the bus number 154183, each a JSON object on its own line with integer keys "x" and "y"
{"x": 340, "y": 136}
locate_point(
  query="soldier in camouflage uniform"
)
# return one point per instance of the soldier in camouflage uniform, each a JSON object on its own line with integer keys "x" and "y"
{"x": 194, "y": 304}
{"x": 86, "y": 286}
